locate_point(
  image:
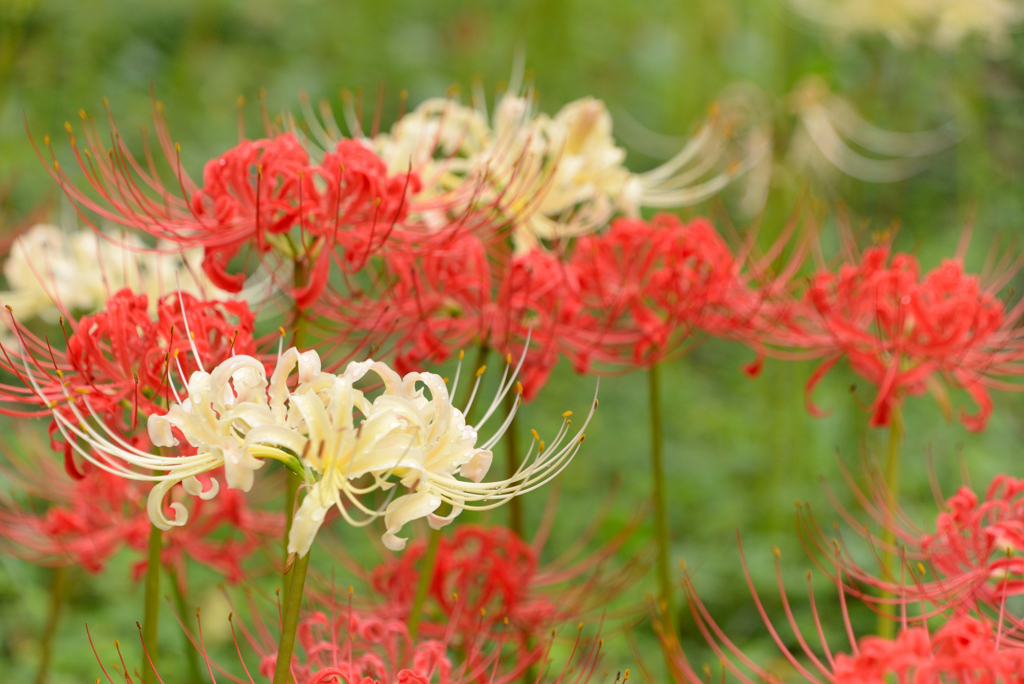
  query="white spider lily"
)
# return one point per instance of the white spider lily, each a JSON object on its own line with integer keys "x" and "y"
{"x": 342, "y": 443}
{"x": 941, "y": 23}
{"x": 830, "y": 128}
{"x": 51, "y": 271}
{"x": 553, "y": 177}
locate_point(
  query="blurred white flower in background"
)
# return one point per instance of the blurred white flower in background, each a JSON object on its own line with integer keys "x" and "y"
{"x": 944, "y": 24}
{"x": 50, "y": 271}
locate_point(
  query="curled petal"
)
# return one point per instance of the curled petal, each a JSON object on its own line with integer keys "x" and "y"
{"x": 405, "y": 509}
{"x": 155, "y": 504}
{"x": 160, "y": 433}
{"x": 478, "y": 465}
{"x": 194, "y": 487}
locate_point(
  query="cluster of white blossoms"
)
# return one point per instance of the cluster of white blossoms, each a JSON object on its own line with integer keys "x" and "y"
{"x": 555, "y": 176}
{"x": 941, "y": 23}
{"x": 51, "y": 271}
{"x": 343, "y": 444}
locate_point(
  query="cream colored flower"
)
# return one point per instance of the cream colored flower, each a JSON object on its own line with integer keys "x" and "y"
{"x": 407, "y": 439}
{"x": 551, "y": 177}
{"x": 944, "y": 24}
{"x": 50, "y": 271}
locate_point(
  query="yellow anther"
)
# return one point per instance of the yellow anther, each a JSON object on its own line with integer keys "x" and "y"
{"x": 567, "y": 414}
{"x": 241, "y": 100}
{"x": 535, "y": 435}
{"x": 281, "y": 330}
{"x": 540, "y": 447}
{"x": 483, "y": 612}
{"x": 445, "y": 380}
{"x": 455, "y": 596}
{"x": 177, "y": 147}
{"x": 46, "y": 140}
{"x": 582, "y": 437}
{"x": 67, "y": 127}
{"x": 777, "y": 552}
{"x": 519, "y": 387}
{"x": 83, "y": 390}
{"x": 56, "y": 165}
{"x": 506, "y": 620}
{"x": 351, "y": 590}
{"x": 579, "y": 626}
{"x": 480, "y": 371}
{"x": 462, "y": 354}
{"x": 921, "y": 569}
{"x": 82, "y": 114}
{"x": 508, "y": 359}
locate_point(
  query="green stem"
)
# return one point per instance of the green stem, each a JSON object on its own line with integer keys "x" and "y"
{"x": 58, "y": 590}
{"x": 181, "y": 604}
{"x": 515, "y": 505}
{"x": 292, "y": 603}
{"x": 658, "y": 476}
{"x": 886, "y": 618}
{"x": 292, "y": 481}
{"x": 151, "y": 617}
{"x": 423, "y": 585}
{"x": 291, "y": 491}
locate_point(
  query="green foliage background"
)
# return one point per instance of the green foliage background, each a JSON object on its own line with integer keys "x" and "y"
{"x": 740, "y": 451}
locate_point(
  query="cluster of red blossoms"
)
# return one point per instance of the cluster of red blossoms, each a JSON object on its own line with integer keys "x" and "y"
{"x": 954, "y": 591}
{"x": 376, "y": 261}
{"x": 339, "y": 644}
{"x": 118, "y": 366}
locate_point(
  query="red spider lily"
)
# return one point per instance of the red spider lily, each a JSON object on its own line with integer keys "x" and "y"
{"x": 121, "y": 361}
{"x": 341, "y": 646}
{"x": 965, "y": 649}
{"x": 88, "y": 520}
{"x": 269, "y": 193}
{"x": 425, "y": 306}
{"x": 899, "y": 330}
{"x": 487, "y": 577}
{"x": 970, "y": 561}
{"x": 628, "y": 297}
{"x": 646, "y": 288}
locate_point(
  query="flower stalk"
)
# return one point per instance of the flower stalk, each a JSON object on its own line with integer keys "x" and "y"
{"x": 58, "y": 592}
{"x": 290, "y": 620}
{"x": 661, "y": 532}
{"x": 887, "y": 612}
{"x": 423, "y": 585}
{"x": 181, "y": 603}
{"x": 151, "y": 617}
{"x": 515, "y": 506}
{"x": 291, "y": 479}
